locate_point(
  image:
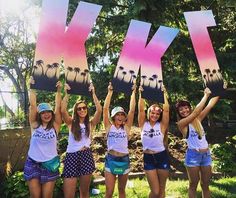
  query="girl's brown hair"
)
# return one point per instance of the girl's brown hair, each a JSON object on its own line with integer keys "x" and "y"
{"x": 75, "y": 127}
{"x": 50, "y": 123}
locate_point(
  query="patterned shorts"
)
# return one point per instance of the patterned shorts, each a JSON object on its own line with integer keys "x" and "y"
{"x": 78, "y": 163}
{"x": 33, "y": 169}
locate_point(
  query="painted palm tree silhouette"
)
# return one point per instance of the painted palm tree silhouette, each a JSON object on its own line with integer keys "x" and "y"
{"x": 76, "y": 70}
{"x": 83, "y": 74}
{"x": 154, "y": 76}
{"x": 211, "y": 77}
{"x": 49, "y": 67}
{"x": 120, "y": 68}
{"x": 35, "y": 67}
{"x": 204, "y": 76}
{"x": 123, "y": 73}
{"x": 215, "y": 74}
{"x": 69, "y": 69}
{"x": 150, "y": 80}
{"x": 160, "y": 83}
{"x": 208, "y": 71}
{"x": 86, "y": 71}
{"x": 55, "y": 66}
{"x": 134, "y": 78}
{"x": 131, "y": 75}
{"x": 143, "y": 78}
{"x": 40, "y": 63}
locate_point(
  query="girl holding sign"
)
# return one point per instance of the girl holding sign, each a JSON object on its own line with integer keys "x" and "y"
{"x": 79, "y": 162}
{"x": 42, "y": 164}
{"x": 156, "y": 160}
{"x": 198, "y": 158}
{"x": 118, "y": 131}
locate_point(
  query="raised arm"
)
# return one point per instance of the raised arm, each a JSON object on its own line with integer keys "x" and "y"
{"x": 166, "y": 112}
{"x": 141, "y": 109}
{"x": 132, "y": 104}
{"x": 208, "y": 108}
{"x": 65, "y": 115}
{"x": 33, "y": 106}
{"x": 106, "y": 106}
{"x": 183, "y": 123}
{"x": 96, "y": 118}
{"x": 58, "y": 118}
{"x": 210, "y": 105}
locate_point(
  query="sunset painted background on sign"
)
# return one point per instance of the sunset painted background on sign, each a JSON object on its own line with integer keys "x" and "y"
{"x": 197, "y": 23}
{"x": 137, "y": 52}
{"x": 56, "y": 42}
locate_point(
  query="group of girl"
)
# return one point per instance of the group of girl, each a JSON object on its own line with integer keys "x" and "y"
{"x": 79, "y": 163}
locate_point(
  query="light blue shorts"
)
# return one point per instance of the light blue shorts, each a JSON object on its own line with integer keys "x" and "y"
{"x": 194, "y": 158}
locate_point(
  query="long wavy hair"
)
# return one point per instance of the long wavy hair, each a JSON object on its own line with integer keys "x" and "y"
{"x": 196, "y": 123}
{"x": 154, "y": 106}
{"x": 40, "y": 122}
{"x": 75, "y": 127}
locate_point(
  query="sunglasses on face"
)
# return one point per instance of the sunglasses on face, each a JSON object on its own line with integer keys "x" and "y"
{"x": 81, "y": 108}
{"x": 151, "y": 133}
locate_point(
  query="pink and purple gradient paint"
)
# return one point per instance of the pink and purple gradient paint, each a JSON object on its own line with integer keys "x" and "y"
{"x": 56, "y": 41}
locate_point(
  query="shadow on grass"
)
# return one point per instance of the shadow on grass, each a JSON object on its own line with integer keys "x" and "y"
{"x": 225, "y": 188}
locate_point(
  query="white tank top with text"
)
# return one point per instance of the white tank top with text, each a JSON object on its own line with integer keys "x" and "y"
{"x": 43, "y": 144}
{"x": 193, "y": 140}
{"x": 152, "y": 137}
{"x": 117, "y": 140}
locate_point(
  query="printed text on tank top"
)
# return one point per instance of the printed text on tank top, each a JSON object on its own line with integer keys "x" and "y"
{"x": 194, "y": 141}
{"x": 153, "y": 131}
{"x": 46, "y": 134}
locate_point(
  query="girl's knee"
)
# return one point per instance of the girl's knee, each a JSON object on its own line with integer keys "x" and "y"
{"x": 155, "y": 193}
{"x": 109, "y": 192}
{"x": 205, "y": 186}
{"x": 193, "y": 185}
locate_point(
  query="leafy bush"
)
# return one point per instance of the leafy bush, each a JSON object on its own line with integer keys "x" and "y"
{"x": 15, "y": 186}
{"x": 62, "y": 144}
{"x": 226, "y": 156}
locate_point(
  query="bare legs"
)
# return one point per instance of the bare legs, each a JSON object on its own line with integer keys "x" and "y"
{"x": 195, "y": 174}
{"x": 38, "y": 190}
{"x": 69, "y": 186}
{"x": 157, "y": 182}
{"x": 110, "y": 180}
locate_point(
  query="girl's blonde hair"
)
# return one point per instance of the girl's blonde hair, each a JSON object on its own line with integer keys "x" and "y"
{"x": 196, "y": 123}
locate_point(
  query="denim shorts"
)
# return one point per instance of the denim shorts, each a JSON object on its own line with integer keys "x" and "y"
{"x": 33, "y": 169}
{"x": 156, "y": 161}
{"x": 194, "y": 158}
{"x": 119, "y": 159}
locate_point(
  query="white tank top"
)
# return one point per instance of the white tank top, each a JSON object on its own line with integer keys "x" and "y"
{"x": 194, "y": 142}
{"x": 152, "y": 137}
{"x": 117, "y": 140}
{"x": 75, "y": 145}
{"x": 43, "y": 144}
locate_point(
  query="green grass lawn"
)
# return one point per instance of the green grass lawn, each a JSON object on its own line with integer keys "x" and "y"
{"x": 138, "y": 188}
